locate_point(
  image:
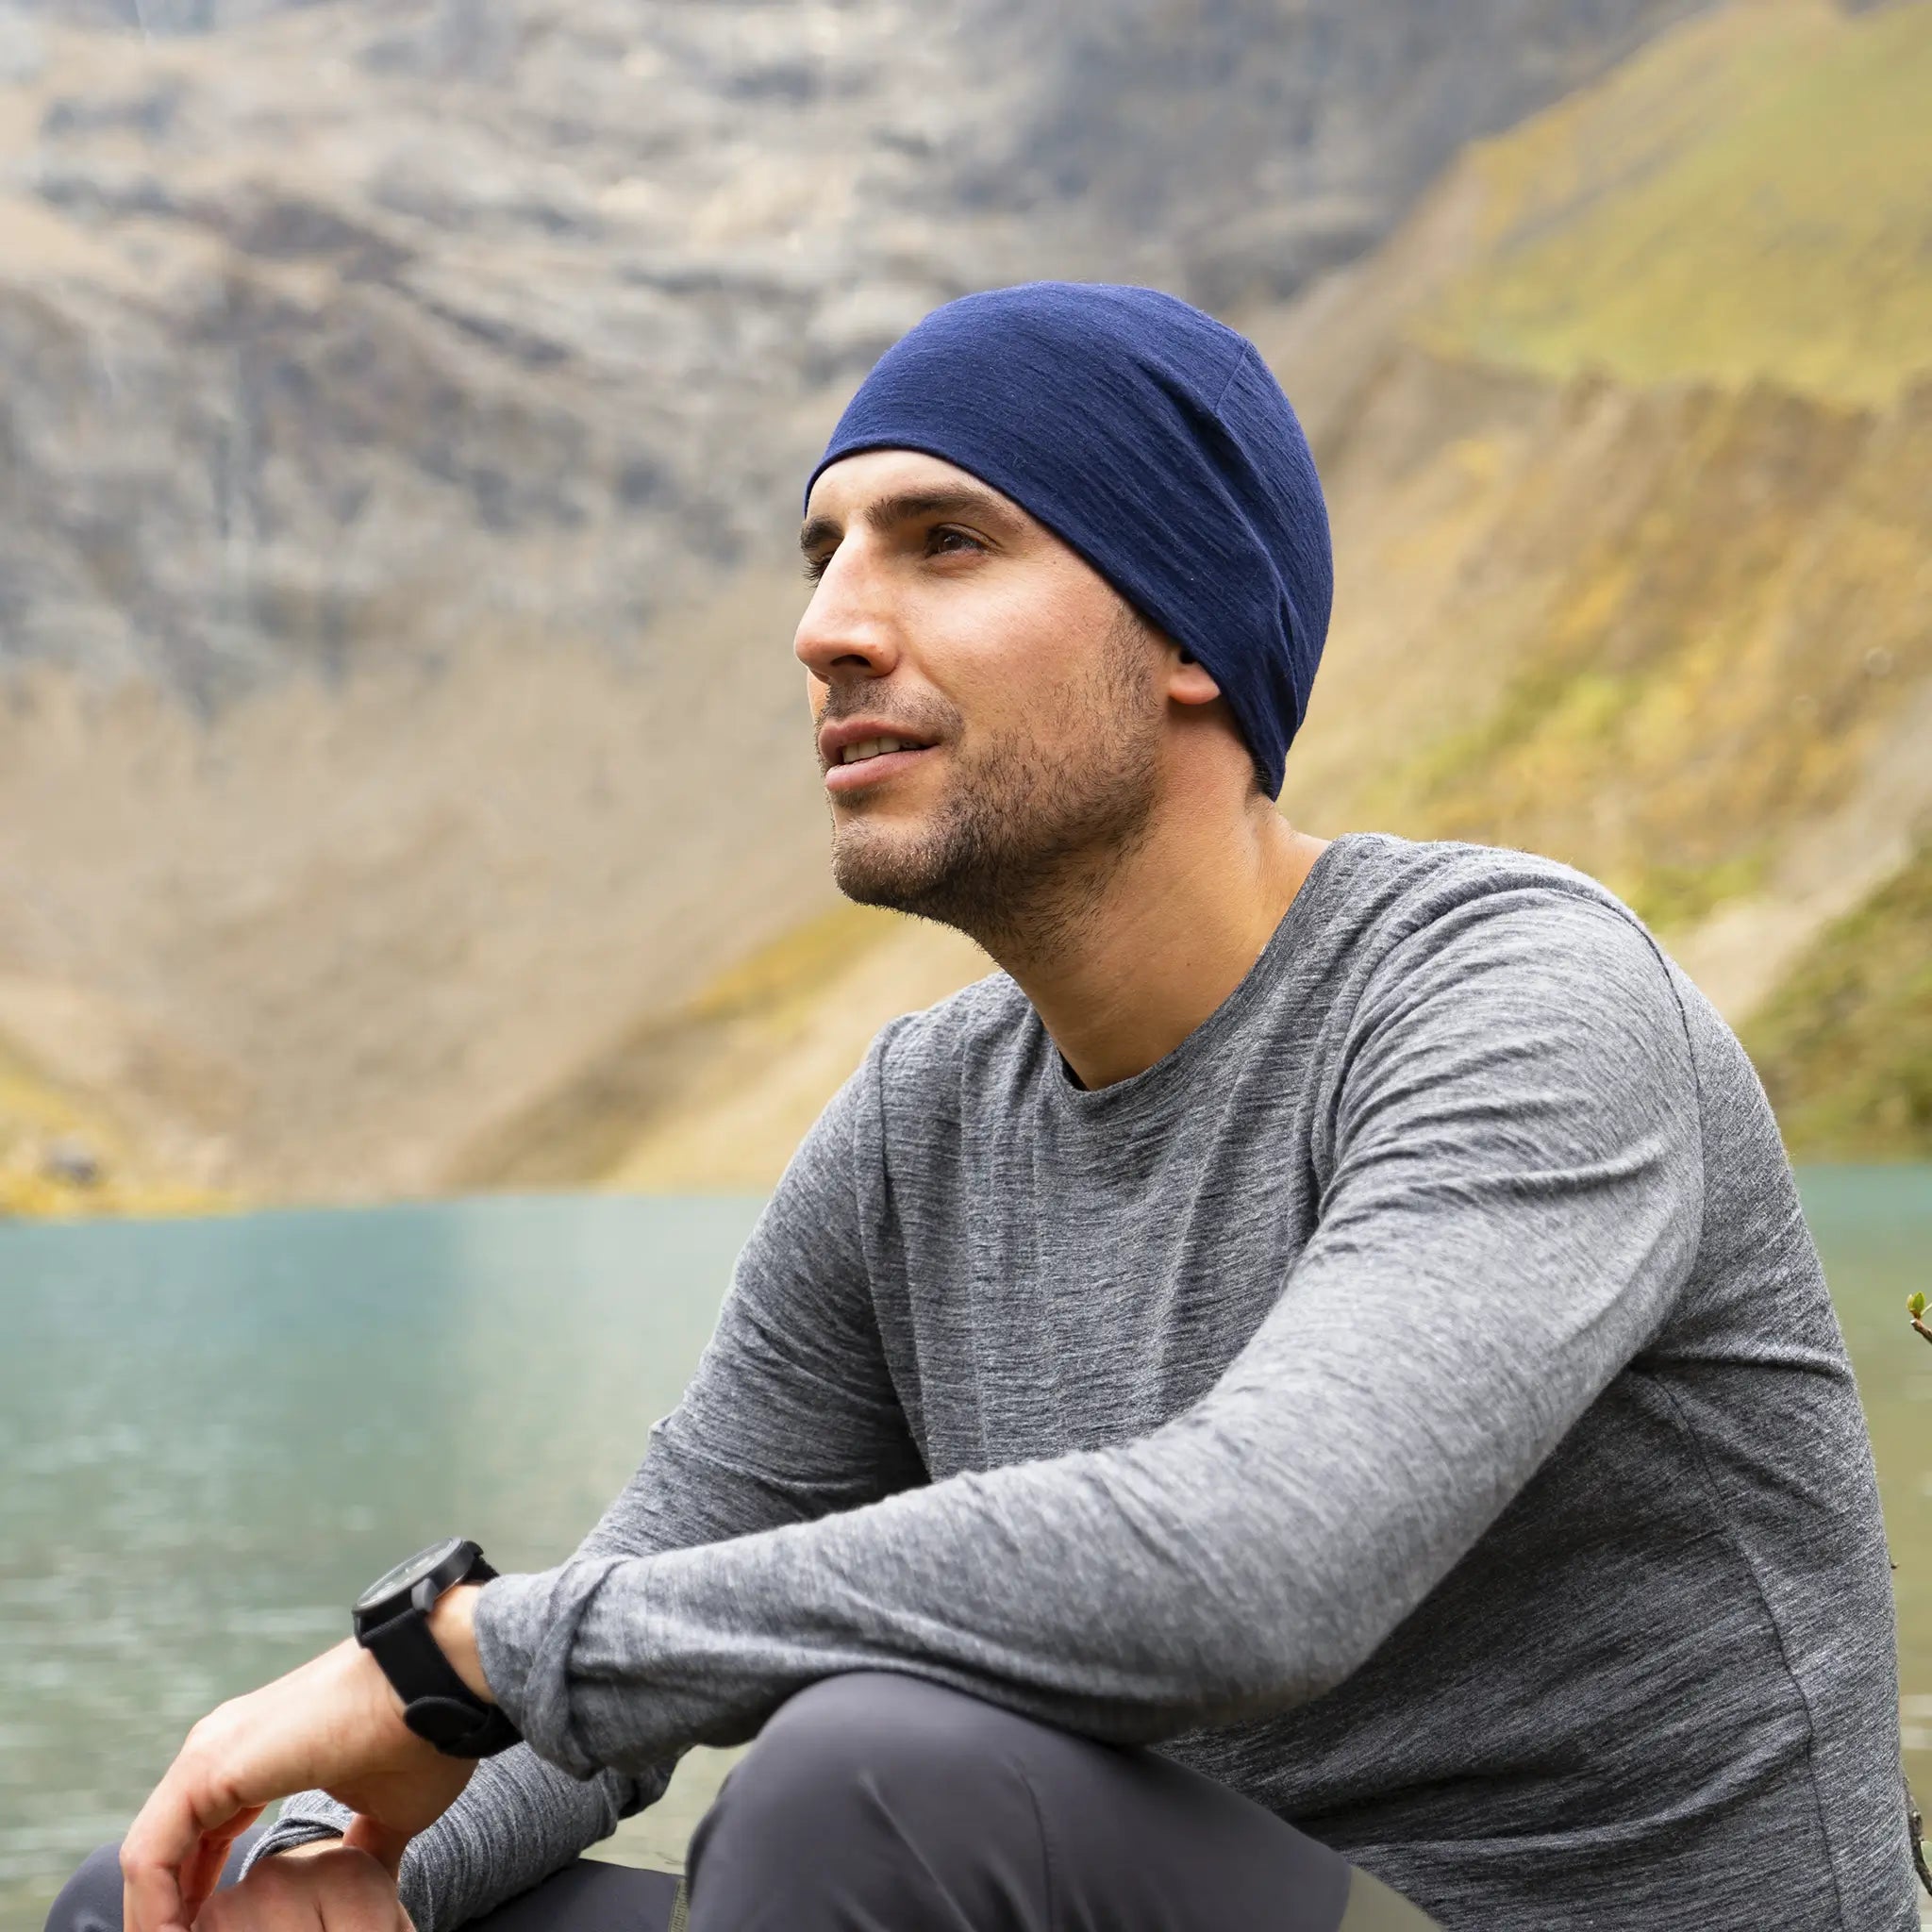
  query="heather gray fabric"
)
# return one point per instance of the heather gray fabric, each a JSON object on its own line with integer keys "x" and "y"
{"x": 1414, "y": 1403}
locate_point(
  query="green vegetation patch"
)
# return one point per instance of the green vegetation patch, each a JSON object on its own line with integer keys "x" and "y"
{"x": 1748, "y": 199}
{"x": 1561, "y": 735}
{"x": 1721, "y": 601}
{"x": 1844, "y": 1047}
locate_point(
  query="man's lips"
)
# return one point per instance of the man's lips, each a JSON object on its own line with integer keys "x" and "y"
{"x": 857, "y": 752}
{"x": 872, "y": 770}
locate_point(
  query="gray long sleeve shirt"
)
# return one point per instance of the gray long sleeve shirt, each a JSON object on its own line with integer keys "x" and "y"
{"x": 1413, "y": 1402}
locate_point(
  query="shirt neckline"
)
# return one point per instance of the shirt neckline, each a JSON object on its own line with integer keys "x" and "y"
{"x": 1182, "y": 1061}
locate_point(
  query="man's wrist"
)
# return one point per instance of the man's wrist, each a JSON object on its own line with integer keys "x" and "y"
{"x": 323, "y": 1841}
{"x": 453, "y": 1625}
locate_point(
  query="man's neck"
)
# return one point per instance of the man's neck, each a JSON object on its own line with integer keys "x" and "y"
{"x": 1176, "y": 930}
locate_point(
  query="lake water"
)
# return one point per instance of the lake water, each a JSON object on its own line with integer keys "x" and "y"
{"x": 213, "y": 1433}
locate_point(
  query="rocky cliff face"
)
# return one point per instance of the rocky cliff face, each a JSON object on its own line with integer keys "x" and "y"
{"x": 400, "y": 408}
{"x": 345, "y": 329}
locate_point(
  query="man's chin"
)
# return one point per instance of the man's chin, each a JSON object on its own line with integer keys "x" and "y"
{"x": 874, "y": 866}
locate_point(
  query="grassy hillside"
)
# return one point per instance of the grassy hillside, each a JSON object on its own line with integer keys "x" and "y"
{"x": 1629, "y": 438}
{"x": 1751, "y": 199}
{"x": 1845, "y": 1046}
{"x": 1697, "y": 624}
{"x": 1689, "y": 565}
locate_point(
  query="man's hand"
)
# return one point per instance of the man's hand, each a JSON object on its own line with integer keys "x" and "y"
{"x": 334, "y": 1724}
{"x": 327, "y": 1887}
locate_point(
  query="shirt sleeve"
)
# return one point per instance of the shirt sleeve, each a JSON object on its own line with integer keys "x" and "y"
{"x": 790, "y": 1414}
{"x": 1512, "y": 1200}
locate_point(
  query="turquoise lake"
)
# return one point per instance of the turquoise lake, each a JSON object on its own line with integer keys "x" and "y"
{"x": 213, "y": 1433}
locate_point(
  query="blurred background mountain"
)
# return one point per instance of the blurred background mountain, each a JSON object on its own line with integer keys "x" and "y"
{"x": 404, "y": 780}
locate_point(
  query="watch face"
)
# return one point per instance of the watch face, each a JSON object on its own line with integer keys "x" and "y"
{"x": 406, "y": 1573}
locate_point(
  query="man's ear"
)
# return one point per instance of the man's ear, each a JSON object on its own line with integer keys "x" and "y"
{"x": 1188, "y": 679}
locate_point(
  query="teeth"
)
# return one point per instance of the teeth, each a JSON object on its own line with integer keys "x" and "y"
{"x": 871, "y": 748}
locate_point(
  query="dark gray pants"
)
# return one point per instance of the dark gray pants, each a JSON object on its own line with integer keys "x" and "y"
{"x": 877, "y": 1803}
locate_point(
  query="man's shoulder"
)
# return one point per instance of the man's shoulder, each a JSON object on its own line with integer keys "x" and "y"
{"x": 1405, "y": 885}
{"x": 1401, "y": 901}
{"x": 1413, "y": 914}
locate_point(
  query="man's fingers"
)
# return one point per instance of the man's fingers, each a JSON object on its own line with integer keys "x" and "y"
{"x": 165, "y": 1850}
{"x": 151, "y": 1857}
{"x": 332, "y": 1888}
{"x": 202, "y": 1872}
{"x": 150, "y": 1903}
{"x": 332, "y": 1722}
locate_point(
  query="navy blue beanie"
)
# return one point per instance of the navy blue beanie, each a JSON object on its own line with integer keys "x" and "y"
{"x": 1153, "y": 441}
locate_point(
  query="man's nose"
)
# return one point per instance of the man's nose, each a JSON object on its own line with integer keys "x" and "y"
{"x": 847, "y": 631}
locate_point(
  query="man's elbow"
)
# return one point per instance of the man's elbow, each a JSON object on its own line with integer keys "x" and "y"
{"x": 1257, "y": 1667}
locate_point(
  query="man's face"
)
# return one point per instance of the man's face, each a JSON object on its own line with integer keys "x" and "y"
{"x": 1023, "y": 694}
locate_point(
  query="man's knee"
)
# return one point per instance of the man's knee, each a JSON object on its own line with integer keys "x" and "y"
{"x": 844, "y": 1734}
{"x": 874, "y": 1758}
{"x": 91, "y": 1900}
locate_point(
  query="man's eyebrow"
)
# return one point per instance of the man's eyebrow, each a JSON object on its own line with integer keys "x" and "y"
{"x": 903, "y": 507}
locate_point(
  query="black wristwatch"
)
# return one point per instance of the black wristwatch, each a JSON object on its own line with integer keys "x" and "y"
{"x": 392, "y": 1620}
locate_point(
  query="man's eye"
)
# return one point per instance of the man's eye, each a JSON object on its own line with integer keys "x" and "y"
{"x": 946, "y": 541}
{"x": 815, "y": 567}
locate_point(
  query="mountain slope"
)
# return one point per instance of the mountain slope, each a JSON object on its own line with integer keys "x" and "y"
{"x": 1670, "y": 619}
{"x": 402, "y": 406}
{"x": 1845, "y": 1044}
{"x": 341, "y": 329}
{"x": 61, "y": 1155}
{"x": 1750, "y": 202}
{"x": 1677, "y": 631}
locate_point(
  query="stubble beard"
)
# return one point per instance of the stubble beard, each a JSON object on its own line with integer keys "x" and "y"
{"x": 1030, "y": 836}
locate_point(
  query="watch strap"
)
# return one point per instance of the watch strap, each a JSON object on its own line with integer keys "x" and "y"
{"x": 436, "y": 1705}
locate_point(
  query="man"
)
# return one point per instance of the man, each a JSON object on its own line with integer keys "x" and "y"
{"x": 1309, "y": 1386}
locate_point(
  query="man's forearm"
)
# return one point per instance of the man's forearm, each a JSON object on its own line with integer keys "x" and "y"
{"x": 762, "y": 1435}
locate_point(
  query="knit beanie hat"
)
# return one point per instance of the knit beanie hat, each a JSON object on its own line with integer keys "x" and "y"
{"x": 1155, "y": 442}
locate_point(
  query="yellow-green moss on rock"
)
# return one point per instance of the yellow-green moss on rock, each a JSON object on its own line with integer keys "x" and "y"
{"x": 1844, "y": 1047}
{"x": 1749, "y": 199}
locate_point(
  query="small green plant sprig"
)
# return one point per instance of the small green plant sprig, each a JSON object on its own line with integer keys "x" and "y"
{"x": 1915, "y": 1308}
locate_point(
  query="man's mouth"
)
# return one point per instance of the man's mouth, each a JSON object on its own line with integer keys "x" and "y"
{"x": 877, "y": 748}
{"x": 863, "y": 761}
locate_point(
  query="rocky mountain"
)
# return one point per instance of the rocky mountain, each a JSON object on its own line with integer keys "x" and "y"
{"x": 348, "y": 328}
{"x": 1627, "y": 434}
{"x": 402, "y": 404}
